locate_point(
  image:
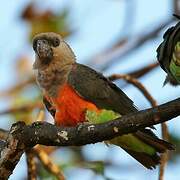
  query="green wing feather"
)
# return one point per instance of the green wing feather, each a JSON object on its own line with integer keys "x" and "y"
{"x": 175, "y": 63}
{"x": 101, "y": 117}
{"x": 128, "y": 141}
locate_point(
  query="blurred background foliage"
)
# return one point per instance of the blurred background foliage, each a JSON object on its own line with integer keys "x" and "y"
{"x": 21, "y": 98}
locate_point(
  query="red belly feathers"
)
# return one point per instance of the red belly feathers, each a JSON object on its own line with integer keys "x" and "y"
{"x": 70, "y": 107}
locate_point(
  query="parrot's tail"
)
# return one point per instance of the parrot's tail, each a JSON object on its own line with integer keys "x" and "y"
{"x": 144, "y": 146}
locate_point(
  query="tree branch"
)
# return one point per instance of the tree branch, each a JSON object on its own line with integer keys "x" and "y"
{"x": 113, "y": 55}
{"x": 23, "y": 136}
{"x": 144, "y": 70}
{"x": 136, "y": 83}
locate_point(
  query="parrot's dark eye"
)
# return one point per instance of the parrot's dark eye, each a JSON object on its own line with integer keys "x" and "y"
{"x": 56, "y": 42}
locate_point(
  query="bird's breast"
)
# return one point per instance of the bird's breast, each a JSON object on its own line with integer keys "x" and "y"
{"x": 70, "y": 107}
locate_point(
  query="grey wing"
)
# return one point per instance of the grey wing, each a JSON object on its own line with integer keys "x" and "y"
{"x": 95, "y": 88}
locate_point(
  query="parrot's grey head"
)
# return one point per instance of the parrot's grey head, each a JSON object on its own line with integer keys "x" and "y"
{"x": 51, "y": 49}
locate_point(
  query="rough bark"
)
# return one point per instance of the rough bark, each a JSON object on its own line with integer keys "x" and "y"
{"x": 23, "y": 136}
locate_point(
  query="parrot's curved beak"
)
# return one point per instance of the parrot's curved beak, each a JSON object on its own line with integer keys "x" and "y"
{"x": 44, "y": 51}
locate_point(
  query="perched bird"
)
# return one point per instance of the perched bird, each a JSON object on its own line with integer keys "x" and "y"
{"x": 74, "y": 93}
{"x": 168, "y": 54}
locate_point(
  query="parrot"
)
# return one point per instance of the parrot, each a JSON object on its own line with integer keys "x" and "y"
{"x": 74, "y": 94}
{"x": 168, "y": 54}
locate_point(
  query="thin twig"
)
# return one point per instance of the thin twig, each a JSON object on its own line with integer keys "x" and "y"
{"x": 44, "y": 157}
{"x": 31, "y": 165}
{"x": 144, "y": 70}
{"x": 176, "y": 7}
{"x": 48, "y": 164}
{"x": 18, "y": 87}
{"x": 136, "y": 83}
{"x": 30, "y": 156}
{"x": 164, "y": 156}
{"x": 23, "y": 108}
